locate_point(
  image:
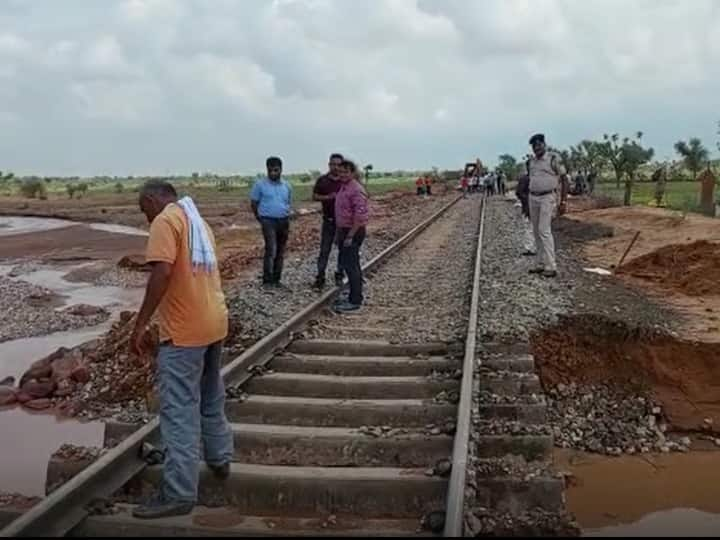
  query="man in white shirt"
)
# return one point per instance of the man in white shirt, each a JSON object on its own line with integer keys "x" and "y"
{"x": 547, "y": 176}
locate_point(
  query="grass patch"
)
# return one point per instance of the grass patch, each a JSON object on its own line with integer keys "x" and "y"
{"x": 683, "y": 196}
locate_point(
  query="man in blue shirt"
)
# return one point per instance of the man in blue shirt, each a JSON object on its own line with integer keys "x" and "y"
{"x": 270, "y": 199}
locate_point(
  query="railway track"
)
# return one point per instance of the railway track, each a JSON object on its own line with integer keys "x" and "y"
{"x": 356, "y": 425}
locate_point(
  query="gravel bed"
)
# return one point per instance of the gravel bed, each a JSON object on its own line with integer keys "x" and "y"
{"x": 484, "y": 397}
{"x": 515, "y": 467}
{"x": 508, "y": 427}
{"x": 432, "y": 276}
{"x": 515, "y": 304}
{"x": 255, "y": 311}
{"x": 602, "y": 420}
{"x": 536, "y": 523}
{"x": 28, "y": 310}
{"x": 17, "y": 501}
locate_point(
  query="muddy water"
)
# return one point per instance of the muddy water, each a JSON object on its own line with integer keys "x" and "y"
{"x": 28, "y": 440}
{"x": 663, "y": 495}
{"x": 83, "y": 293}
{"x": 119, "y": 229}
{"x": 22, "y": 225}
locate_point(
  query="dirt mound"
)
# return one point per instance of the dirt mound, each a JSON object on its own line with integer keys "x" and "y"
{"x": 93, "y": 374}
{"x": 692, "y": 269}
{"x": 683, "y": 376}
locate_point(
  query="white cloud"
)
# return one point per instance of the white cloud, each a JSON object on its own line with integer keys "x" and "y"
{"x": 302, "y": 77}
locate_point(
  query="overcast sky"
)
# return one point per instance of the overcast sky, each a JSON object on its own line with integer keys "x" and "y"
{"x": 162, "y": 86}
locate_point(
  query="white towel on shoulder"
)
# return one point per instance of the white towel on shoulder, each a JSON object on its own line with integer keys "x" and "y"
{"x": 201, "y": 249}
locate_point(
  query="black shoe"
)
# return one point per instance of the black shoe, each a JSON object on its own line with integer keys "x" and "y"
{"x": 346, "y": 307}
{"x": 339, "y": 276}
{"x": 538, "y": 270}
{"x": 221, "y": 472}
{"x": 549, "y": 273}
{"x": 159, "y": 509}
{"x": 319, "y": 282}
{"x": 528, "y": 253}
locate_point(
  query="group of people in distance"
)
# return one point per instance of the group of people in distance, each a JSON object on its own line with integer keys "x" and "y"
{"x": 476, "y": 180}
{"x": 345, "y": 217}
{"x": 423, "y": 185}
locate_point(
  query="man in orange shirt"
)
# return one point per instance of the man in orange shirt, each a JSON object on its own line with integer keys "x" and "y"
{"x": 428, "y": 185}
{"x": 420, "y": 185}
{"x": 184, "y": 287}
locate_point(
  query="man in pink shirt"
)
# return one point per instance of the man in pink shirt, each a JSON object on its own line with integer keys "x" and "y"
{"x": 351, "y": 217}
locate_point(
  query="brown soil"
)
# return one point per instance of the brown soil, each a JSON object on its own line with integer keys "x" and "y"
{"x": 683, "y": 376}
{"x": 70, "y": 243}
{"x": 692, "y": 269}
{"x": 659, "y": 229}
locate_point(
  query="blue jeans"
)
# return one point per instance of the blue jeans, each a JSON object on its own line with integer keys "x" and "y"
{"x": 350, "y": 263}
{"x": 275, "y": 231}
{"x": 192, "y": 408}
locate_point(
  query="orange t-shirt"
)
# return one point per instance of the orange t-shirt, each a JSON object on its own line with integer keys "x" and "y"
{"x": 193, "y": 312}
{"x": 419, "y": 182}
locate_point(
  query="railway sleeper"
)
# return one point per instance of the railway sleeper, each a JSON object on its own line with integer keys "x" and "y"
{"x": 307, "y": 491}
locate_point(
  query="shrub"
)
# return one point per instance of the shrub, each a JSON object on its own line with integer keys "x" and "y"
{"x": 34, "y": 189}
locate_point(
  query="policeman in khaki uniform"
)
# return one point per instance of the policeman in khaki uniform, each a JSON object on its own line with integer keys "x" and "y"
{"x": 547, "y": 176}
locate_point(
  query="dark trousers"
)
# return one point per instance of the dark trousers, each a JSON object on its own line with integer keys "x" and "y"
{"x": 350, "y": 262}
{"x": 327, "y": 238}
{"x": 275, "y": 231}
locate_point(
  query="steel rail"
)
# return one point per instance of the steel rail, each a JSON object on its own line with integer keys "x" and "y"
{"x": 64, "y": 509}
{"x": 455, "y": 502}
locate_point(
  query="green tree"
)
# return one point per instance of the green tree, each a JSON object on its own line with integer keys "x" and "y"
{"x": 71, "y": 189}
{"x": 34, "y": 188}
{"x": 633, "y": 155}
{"x": 694, "y": 155}
{"x": 119, "y": 187}
{"x": 611, "y": 150}
{"x": 82, "y": 189}
{"x": 589, "y": 156}
{"x": 509, "y": 165}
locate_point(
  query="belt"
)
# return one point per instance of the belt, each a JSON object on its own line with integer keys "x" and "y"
{"x": 541, "y": 193}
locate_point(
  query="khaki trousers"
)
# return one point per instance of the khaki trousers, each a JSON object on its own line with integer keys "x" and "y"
{"x": 542, "y": 210}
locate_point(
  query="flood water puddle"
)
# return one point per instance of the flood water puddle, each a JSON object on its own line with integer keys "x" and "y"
{"x": 82, "y": 293}
{"x": 28, "y": 441}
{"x": 10, "y": 225}
{"x": 652, "y": 495}
{"x": 22, "y": 225}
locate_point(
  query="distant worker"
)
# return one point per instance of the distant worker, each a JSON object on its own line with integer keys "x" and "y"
{"x": 579, "y": 183}
{"x": 591, "y": 178}
{"x": 271, "y": 199}
{"x": 522, "y": 192}
{"x": 490, "y": 184}
{"x": 547, "y": 175}
{"x": 184, "y": 288}
{"x": 326, "y": 187}
{"x": 500, "y": 178}
{"x": 351, "y": 214}
{"x": 428, "y": 185}
{"x": 464, "y": 186}
{"x": 420, "y": 186}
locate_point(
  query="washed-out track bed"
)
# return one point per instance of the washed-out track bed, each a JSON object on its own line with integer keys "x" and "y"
{"x": 344, "y": 425}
